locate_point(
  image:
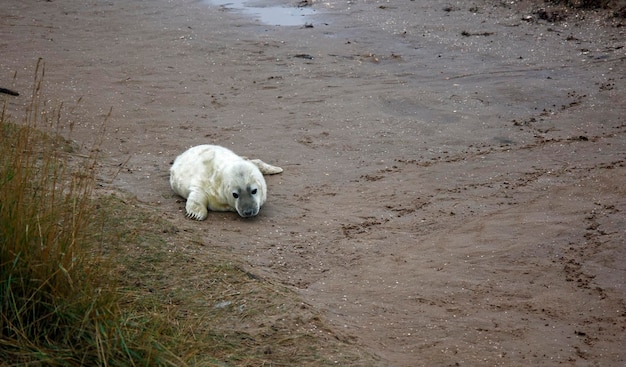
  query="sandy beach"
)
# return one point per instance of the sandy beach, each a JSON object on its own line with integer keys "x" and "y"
{"x": 454, "y": 191}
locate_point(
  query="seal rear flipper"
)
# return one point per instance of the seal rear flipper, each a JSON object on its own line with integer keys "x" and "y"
{"x": 266, "y": 169}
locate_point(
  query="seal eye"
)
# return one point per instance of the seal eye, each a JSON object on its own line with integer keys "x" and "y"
{"x": 235, "y": 195}
{"x": 253, "y": 192}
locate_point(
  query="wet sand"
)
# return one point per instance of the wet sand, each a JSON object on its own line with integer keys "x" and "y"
{"x": 454, "y": 176}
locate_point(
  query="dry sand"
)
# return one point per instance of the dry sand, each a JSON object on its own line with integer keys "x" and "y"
{"x": 454, "y": 189}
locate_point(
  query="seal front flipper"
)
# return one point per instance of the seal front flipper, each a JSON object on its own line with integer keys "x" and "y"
{"x": 196, "y": 206}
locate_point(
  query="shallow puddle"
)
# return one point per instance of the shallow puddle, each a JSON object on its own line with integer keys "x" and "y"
{"x": 271, "y": 15}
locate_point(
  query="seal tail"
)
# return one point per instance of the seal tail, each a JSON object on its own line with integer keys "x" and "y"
{"x": 266, "y": 169}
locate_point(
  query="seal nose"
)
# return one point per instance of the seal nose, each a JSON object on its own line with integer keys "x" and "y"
{"x": 248, "y": 213}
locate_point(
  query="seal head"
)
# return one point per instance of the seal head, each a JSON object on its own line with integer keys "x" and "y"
{"x": 246, "y": 187}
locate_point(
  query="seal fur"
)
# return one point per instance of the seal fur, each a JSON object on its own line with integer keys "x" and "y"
{"x": 212, "y": 177}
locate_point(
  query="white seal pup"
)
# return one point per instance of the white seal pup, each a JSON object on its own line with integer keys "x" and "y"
{"x": 213, "y": 177}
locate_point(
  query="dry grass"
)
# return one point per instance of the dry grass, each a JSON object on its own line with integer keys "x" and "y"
{"x": 87, "y": 279}
{"x": 56, "y": 307}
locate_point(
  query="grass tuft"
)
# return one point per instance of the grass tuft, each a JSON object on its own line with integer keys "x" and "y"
{"x": 55, "y": 307}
